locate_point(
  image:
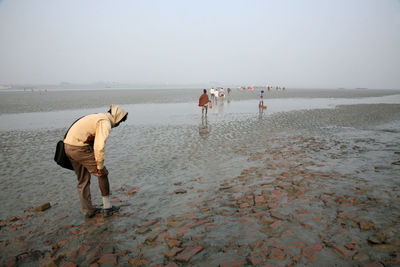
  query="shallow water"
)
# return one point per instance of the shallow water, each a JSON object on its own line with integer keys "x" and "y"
{"x": 167, "y": 146}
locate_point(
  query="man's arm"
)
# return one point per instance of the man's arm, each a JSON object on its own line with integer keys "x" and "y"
{"x": 103, "y": 129}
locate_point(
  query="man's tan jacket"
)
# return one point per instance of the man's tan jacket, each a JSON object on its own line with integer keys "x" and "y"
{"x": 93, "y": 130}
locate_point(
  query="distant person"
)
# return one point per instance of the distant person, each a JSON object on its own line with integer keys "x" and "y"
{"x": 203, "y": 103}
{"x": 261, "y": 99}
{"x": 216, "y": 95}
{"x": 222, "y": 92}
{"x": 85, "y": 147}
{"x": 229, "y": 91}
{"x": 212, "y": 93}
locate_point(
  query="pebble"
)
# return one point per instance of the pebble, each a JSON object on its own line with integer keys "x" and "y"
{"x": 43, "y": 207}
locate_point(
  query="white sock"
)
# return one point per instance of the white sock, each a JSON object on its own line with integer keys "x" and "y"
{"x": 106, "y": 202}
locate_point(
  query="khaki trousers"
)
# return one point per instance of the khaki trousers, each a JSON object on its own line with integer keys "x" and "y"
{"x": 83, "y": 161}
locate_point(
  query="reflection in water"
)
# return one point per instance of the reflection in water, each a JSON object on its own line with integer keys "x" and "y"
{"x": 204, "y": 128}
{"x": 260, "y": 112}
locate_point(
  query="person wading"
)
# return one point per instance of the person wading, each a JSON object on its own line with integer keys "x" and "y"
{"x": 85, "y": 147}
{"x": 203, "y": 102}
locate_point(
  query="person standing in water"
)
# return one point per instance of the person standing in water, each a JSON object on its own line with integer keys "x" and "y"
{"x": 212, "y": 93}
{"x": 261, "y": 99}
{"x": 85, "y": 147}
{"x": 203, "y": 103}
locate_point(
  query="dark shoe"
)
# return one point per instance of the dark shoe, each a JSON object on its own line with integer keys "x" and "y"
{"x": 91, "y": 215}
{"x": 110, "y": 211}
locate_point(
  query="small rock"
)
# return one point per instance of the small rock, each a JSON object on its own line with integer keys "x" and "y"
{"x": 180, "y": 191}
{"x": 43, "y": 207}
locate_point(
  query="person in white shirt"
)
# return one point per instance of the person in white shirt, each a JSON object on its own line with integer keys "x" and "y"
{"x": 212, "y": 93}
{"x": 261, "y": 99}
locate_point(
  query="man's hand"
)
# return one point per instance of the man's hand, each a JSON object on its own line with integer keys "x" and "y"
{"x": 102, "y": 172}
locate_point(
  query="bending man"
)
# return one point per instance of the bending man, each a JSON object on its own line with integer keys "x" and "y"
{"x": 85, "y": 147}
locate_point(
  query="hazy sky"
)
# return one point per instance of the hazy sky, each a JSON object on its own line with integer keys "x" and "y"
{"x": 292, "y": 43}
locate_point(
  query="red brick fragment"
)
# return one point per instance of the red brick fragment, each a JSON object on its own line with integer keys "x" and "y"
{"x": 299, "y": 244}
{"x": 244, "y": 205}
{"x": 340, "y": 250}
{"x": 43, "y": 207}
{"x": 84, "y": 249}
{"x": 310, "y": 251}
{"x": 277, "y": 253}
{"x": 173, "y": 243}
{"x": 276, "y": 192}
{"x": 256, "y": 258}
{"x": 13, "y": 219}
{"x": 366, "y": 225}
{"x": 72, "y": 253}
{"x": 275, "y": 225}
{"x": 75, "y": 232}
{"x": 173, "y": 252}
{"x": 350, "y": 246}
{"x": 259, "y": 200}
{"x": 133, "y": 190}
{"x": 188, "y": 253}
{"x": 180, "y": 191}
{"x": 150, "y": 223}
{"x": 108, "y": 259}
{"x": 123, "y": 252}
{"x": 139, "y": 262}
{"x": 237, "y": 263}
{"x": 68, "y": 264}
{"x": 93, "y": 257}
{"x": 373, "y": 264}
{"x": 12, "y": 263}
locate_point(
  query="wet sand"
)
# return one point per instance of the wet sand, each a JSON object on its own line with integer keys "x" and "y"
{"x": 314, "y": 187}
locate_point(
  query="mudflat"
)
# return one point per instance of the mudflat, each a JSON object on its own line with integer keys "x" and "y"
{"x": 316, "y": 187}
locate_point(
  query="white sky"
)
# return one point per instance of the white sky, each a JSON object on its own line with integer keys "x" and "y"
{"x": 292, "y": 43}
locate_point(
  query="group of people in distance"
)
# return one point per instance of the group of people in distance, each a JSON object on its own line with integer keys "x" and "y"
{"x": 204, "y": 100}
